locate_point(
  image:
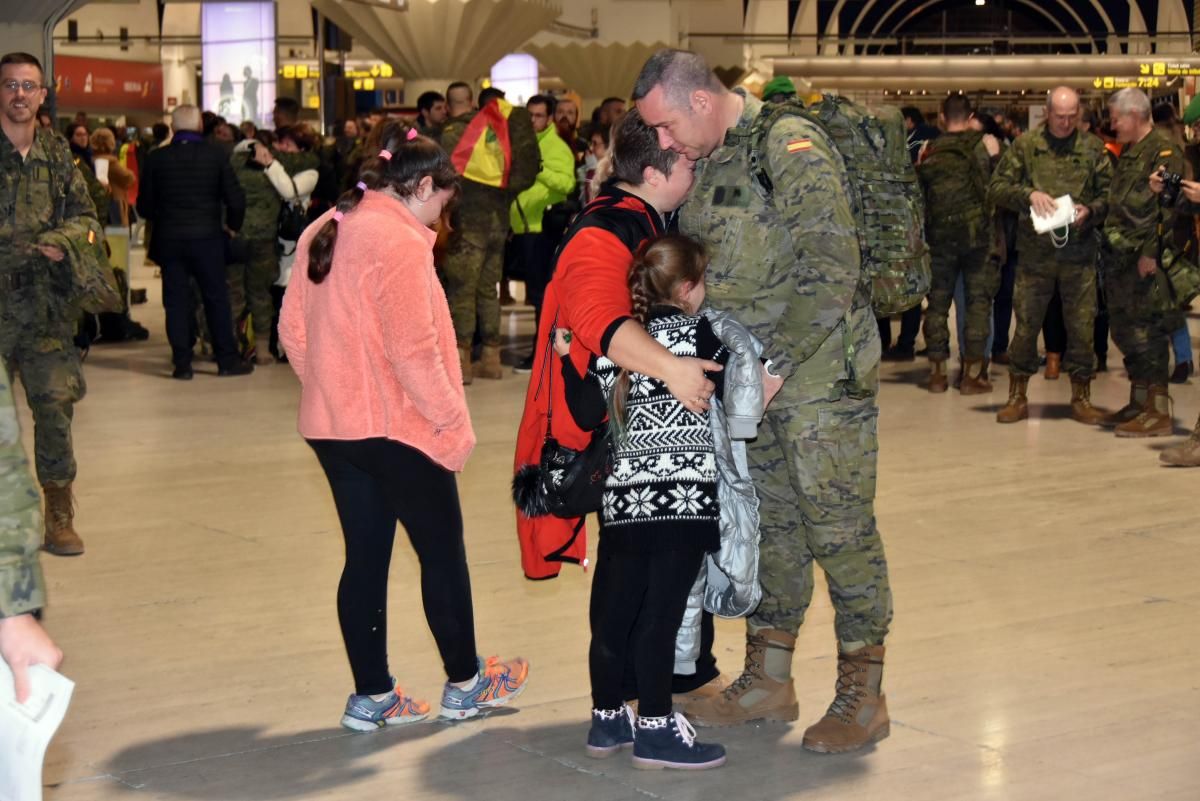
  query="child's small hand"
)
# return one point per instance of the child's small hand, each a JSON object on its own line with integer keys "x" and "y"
{"x": 562, "y": 341}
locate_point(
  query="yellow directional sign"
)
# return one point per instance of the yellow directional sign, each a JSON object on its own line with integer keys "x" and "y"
{"x": 1109, "y": 82}
{"x": 1169, "y": 69}
{"x": 1144, "y": 69}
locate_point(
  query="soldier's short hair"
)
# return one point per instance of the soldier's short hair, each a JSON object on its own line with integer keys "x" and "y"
{"x": 679, "y": 73}
{"x": 1130, "y": 100}
{"x": 17, "y": 57}
{"x": 543, "y": 100}
{"x": 635, "y": 147}
{"x": 187, "y": 118}
{"x": 489, "y": 94}
{"x": 460, "y": 85}
{"x": 956, "y": 108}
{"x": 427, "y": 100}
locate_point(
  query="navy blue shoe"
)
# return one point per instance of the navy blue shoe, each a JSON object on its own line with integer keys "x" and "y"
{"x": 670, "y": 742}
{"x": 612, "y": 730}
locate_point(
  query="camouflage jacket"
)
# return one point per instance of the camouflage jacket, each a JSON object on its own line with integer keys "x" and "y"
{"x": 43, "y": 201}
{"x": 788, "y": 267}
{"x": 1134, "y": 215}
{"x": 1081, "y": 169}
{"x": 22, "y": 588}
{"x": 954, "y": 172}
{"x": 262, "y": 201}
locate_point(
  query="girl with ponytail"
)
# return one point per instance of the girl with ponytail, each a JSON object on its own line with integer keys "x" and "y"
{"x": 367, "y": 329}
{"x": 660, "y": 513}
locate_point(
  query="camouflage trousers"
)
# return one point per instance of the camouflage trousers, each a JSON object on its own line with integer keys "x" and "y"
{"x": 813, "y": 467}
{"x": 250, "y": 285}
{"x": 22, "y": 588}
{"x": 472, "y": 269}
{"x": 981, "y": 280}
{"x": 52, "y": 375}
{"x": 1142, "y": 318}
{"x": 1032, "y": 293}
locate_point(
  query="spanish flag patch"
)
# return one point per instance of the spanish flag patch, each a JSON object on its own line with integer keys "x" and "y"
{"x": 91, "y": 237}
{"x": 799, "y": 145}
{"x": 1162, "y": 153}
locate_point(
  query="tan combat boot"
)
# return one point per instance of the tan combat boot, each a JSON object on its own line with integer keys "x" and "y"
{"x": 489, "y": 363}
{"x": 858, "y": 715}
{"x": 1186, "y": 453}
{"x": 464, "y": 359}
{"x": 753, "y": 695}
{"x": 975, "y": 378}
{"x": 1017, "y": 407}
{"x": 937, "y": 376}
{"x": 1053, "y": 366}
{"x": 61, "y": 539}
{"x": 1155, "y": 418}
{"x": 712, "y": 688}
{"x": 1081, "y": 403}
{"x": 1138, "y": 390}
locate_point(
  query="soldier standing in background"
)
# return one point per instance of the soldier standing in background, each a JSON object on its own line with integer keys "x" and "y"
{"x": 1048, "y": 162}
{"x": 1143, "y": 315}
{"x": 788, "y": 266}
{"x": 495, "y": 150}
{"x": 46, "y": 213}
{"x": 954, "y": 174}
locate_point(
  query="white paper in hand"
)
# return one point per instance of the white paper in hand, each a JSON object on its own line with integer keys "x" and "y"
{"x": 1064, "y": 215}
{"x": 101, "y": 170}
{"x": 26, "y": 729}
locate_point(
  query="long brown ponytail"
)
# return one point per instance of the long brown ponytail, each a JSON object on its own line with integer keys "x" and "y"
{"x": 403, "y": 160}
{"x": 660, "y": 267}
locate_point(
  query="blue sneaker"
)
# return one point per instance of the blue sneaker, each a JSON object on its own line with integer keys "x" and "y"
{"x": 397, "y": 709}
{"x": 612, "y": 730}
{"x": 498, "y": 684}
{"x": 670, "y": 742}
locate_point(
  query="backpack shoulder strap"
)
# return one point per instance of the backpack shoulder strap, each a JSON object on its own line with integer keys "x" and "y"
{"x": 760, "y": 129}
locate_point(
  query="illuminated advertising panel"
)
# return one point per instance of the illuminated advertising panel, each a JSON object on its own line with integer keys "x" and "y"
{"x": 238, "y": 51}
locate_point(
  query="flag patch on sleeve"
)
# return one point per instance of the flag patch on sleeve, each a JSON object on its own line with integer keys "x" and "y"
{"x": 799, "y": 145}
{"x": 1165, "y": 152}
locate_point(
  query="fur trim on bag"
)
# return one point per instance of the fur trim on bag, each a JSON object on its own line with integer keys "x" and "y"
{"x": 527, "y": 491}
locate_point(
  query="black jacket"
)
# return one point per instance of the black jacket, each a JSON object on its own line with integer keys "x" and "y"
{"x": 188, "y": 190}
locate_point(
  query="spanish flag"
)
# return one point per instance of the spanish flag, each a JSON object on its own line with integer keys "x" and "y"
{"x": 484, "y": 154}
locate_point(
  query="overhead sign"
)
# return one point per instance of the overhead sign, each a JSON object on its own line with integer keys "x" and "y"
{"x": 101, "y": 84}
{"x": 1110, "y": 82}
{"x": 1169, "y": 69}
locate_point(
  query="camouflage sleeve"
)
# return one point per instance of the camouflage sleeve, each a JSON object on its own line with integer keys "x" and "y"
{"x": 293, "y": 163}
{"x": 78, "y": 213}
{"x": 451, "y": 134}
{"x": 526, "y": 155}
{"x": 1173, "y": 162}
{"x": 812, "y": 200}
{"x": 1008, "y": 188}
{"x": 22, "y": 589}
{"x": 1102, "y": 172}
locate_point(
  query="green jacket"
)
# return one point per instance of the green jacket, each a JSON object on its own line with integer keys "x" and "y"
{"x": 1081, "y": 169}
{"x": 788, "y": 267}
{"x": 22, "y": 588}
{"x": 554, "y": 183}
{"x": 262, "y": 201}
{"x": 1132, "y": 226}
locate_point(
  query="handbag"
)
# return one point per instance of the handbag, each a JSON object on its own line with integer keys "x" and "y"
{"x": 565, "y": 482}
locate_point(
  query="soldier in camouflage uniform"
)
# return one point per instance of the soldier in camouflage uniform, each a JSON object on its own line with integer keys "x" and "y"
{"x": 22, "y": 588}
{"x": 1048, "y": 162}
{"x": 250, "y": 282}
{"x": 954, "y": 173}
{"x": 788, "y": 266}
{"x": 46, "y": 211}
{"x": 1142, "y": 312}
{"x": 475, "y": 254}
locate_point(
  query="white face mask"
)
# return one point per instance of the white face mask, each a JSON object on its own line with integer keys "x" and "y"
{"x": 591, "y": 161}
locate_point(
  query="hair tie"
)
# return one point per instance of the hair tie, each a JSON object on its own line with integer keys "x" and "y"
{"x": 412, "y": 134}
{"x": 385, "y": 154}
{"x": 338, "y": 216}
{"x": 361, "y": 185}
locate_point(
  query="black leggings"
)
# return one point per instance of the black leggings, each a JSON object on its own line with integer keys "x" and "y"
{"x": 638, "y": 600}
{"x": 376, "y": 482}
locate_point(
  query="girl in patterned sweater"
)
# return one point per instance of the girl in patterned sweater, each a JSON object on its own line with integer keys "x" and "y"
{"x": 659, "y": 517}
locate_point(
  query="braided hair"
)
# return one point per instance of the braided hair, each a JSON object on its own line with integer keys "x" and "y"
{"x": 404, "y": 160}
{"x": 660, "y": 267}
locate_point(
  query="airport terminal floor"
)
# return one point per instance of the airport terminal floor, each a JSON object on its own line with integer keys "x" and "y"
{"x": 1044, "y": 645}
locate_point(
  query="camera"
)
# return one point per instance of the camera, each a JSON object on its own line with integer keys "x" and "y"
{"x": 1170, "y": 192}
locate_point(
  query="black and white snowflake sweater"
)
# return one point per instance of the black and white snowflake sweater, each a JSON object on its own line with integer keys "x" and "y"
{"x": 662, "y": 494}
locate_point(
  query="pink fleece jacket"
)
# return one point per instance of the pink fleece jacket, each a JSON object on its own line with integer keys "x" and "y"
{"x": 373, "y": 344}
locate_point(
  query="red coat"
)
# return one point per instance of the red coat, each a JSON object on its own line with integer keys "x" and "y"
{"x": 589, "y": 294}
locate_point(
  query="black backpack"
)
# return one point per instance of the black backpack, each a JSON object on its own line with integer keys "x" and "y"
{"x": 293, "y": 219}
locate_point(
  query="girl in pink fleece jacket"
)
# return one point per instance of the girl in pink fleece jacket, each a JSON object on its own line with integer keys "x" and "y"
{"x": 367, "y": 329}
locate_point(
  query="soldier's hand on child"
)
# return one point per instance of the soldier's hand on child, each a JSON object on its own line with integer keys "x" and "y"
{"x": 562, "y": 341}
{"x": 52, "y": 252}
{"x": 1043, "y": 204}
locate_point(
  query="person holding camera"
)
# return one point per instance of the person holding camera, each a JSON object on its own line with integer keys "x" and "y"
{"x": 1139, "y": 296}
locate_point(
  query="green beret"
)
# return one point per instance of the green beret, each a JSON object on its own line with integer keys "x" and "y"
{"x": 780, "y": 85}
{"x": 1192, "y": 113}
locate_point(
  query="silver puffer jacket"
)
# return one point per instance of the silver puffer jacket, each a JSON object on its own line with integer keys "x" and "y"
{"x": 728, "y": 582}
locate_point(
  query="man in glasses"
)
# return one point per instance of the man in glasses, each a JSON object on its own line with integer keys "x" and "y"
{"x": 46, "y": 221}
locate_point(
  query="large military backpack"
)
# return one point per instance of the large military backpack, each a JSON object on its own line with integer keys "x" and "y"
{"x": 884, "y": 194}
{"x": 955, "y": 183}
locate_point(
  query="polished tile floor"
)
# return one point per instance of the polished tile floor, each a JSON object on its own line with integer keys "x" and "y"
{"x": 1045, "y": 642}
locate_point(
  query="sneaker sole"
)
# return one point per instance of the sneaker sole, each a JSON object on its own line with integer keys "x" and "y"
{"x": 821, "y": 748}
{"x": 642, "y": 763}
{"x": 604, "y": 752}
{"x": 463, "y": 714}
{"x": 357, "y": 724}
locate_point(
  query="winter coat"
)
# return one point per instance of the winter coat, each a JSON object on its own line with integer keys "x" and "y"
{"x": 728, "y": 584}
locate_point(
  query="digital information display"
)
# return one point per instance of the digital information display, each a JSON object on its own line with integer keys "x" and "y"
{"x": 238, "y": 47}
